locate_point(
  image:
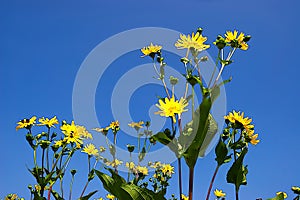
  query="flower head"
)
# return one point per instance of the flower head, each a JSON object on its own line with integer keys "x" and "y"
{"x": 171, "y": 107}
{"x": 284, "y": 194}
{"x": 48, "y": 122}
{"x": 151, "y": 50}
{"x": 296, "y": 189}
{"x": 142, "y": 170}
{"x": 26, "y": 123}
{"x": 83, "y": 132}
{"x": 219, "y": 193}
{"x": 183, "y": 197}
{"x": 237, "y": 41}
{"x": 194, "y": 41}
{"x": 239, "y": 119}
{"x": 167, "y": 169}
{"x": 115, "y": 126}
{"x": 110, "y": 196}
{"x": 91, "y": 150}
{"x": 71, "y": 134}
{"x": 130, "y": 165}
{"x": 136, "y": 125}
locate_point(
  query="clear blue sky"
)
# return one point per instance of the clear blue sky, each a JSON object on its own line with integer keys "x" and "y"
{"x": 43, "y": 44}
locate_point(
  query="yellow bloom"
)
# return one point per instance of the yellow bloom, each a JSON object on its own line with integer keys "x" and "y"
{"x": 171, "y": 107}
{"x": 151, "y": 50}
{"x": 284, "y": 194}
{"x": 100, "y": 198}
{"x": 253, "y": 139}
{"x": 48, "y": 122}
{"x": 71, "y": 134}
{"x": 83, "y": 132}
{"x": 296, "y": 189}
{"x": 233, "y": 38}
{"x": 90, "y": 149}
{"x": 136, "y": 125}
{"x": 26, "y": 123}
{"x": 195, "y": 41}
{"x": 219, "y": 193}
{"x": 156, "y": 165}
{"x": 58, "y": 143}
{"x": 238, "y": 117}
{"x": 130, "y": 165}
{"x": 167, "y": 169}
{"x": 183, "y": 197}
{"x": 115, "y": 163}
{"x": 115, "y": 126}
{"x": 104, "y": 131}
{"x": 143, "y": 170}
{"x": 110, "y": 196}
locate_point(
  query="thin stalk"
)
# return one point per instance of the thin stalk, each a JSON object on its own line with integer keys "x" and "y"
{"x": 193, "y": 102}
{"x": 236, "y": 193}
{"x": 43, "y": 158}
{"x": 191, "y": 183}
{"x": 71, "y": 187}
{"x": 47, "y": 151}
{"x": 49, "y": 192}
{"x": 186, "y": 89}
{"x": 215, "y": 68}
{"x": 179, "y": 178}
{"x": 161, "y": 78}
{"x": 212, "y": 182}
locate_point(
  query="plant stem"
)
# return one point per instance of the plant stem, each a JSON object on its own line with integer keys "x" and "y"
{"x": 87, "y": 183}
{"x": 236, "y": 193}
{"x": 71, "y": 186}
{"x": 47, "y": 151}
{"x": 49, "y": 192}
{"x": 179, "y": 178}
{"x": 191, "y": 183}
{"x": 212, "y": 181}
{"x": 43, "y": 157}
{"x": 193, "y": 102}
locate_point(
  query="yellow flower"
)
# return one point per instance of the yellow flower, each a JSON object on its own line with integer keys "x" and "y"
{"x": 284, "y": 194}
{"x": 26, "y": 123}
{"x": 48, "y": 122}
{"x": 115, "y": 126}
{"x": 235, "y": 40}
{"x": 100, "y": 198}
{"x": 156, "y": 165}
{"x": 104, "y": 131}
{"x": 136, "y": 125}
{"x": 171, "y": 107}
{"x": 71, "y": 134}
{"x": 58, "y": 143}
{"x": 196, "y": 41}
{"x": 151, "y": 50}
{"x": 296, "y": 189}
{"x": 167, "y": 169}
{"x": 130, "y": 165}
{"x": 83, "y": 132}
{"x": 90, "y": 149}
{"x": 219, "y": 193}
{"x": 253, "y": 139}
{"x": 183, "y": 197}
{"x": 238, "y": 117}
{"x": 110, "y": 196}
{"x": 143, "y": 170}
{"x": 115, "y": 163}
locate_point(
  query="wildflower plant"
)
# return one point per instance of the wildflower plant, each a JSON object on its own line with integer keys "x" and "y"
{"x": 187, "y": 141}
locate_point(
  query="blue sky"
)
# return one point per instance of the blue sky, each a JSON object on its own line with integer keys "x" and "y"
{"x": 43, "y": 45}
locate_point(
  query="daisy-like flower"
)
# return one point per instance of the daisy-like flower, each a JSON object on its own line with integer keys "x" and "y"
{"x": 296, "y": 189}
{"x": 91, "y": 150}
{"x": 71, "y": 134}
{"x": 26, "y": 123}
{"x": 253, "y": 138}
{"x": 115, "y": 126}
{"x": 115, "y": 163}
{"x": 235, "y": 40}
{"x": 58, "y": 143}
{"x": 48, "y": 122}
{"x": 171, "y": 107}
{"x": 167, "y": 169}
{"x": 142, "y": 170}
{"x": 238, "y": 118}
{"x": 284, "y": 194}
{"x": 104, "y": 131}
{"x": 195, "y": 41}
{"x": 219, "y": 193}
{"x": 183, "y": 197}
{"x": 151, "y": 50}
{"x": 130, "y": 165}
{"x": 83, "y": 132}
{"x": 156, "y": 165}
{"x": 136, "y": 125}
{"x": 110, "y": 197}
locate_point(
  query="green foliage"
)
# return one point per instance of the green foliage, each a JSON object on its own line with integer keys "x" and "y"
{"x": 278, "y": 197}
{"x": 221, "y": 152}
{"x": 117, "y": 186}
{"x": 237, "y": 173}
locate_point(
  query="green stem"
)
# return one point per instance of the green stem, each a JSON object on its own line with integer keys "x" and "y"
{"x": 236, "y": 193}
{"x": 215, "y": 68}
{"x": 193, "y": 102}
{"x": 47, "y": 151}
{"x": 43, "y": 158}
{"x": 179, "y": 178}
{"x": 191, "y": 183}
{"x": 212, "y": 181}
{"x": 71, "y": 187}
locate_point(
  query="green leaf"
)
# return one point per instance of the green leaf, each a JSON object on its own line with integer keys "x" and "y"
{"x": 142, "y": 154}
{"x": 221, "y": 153}
{"x": 139, "y": 193}
{"x": 237, "y": 173}
{"x": 163, "y": 137}
{"x": 88, "y": 196}
{"x": 200, "y": 129}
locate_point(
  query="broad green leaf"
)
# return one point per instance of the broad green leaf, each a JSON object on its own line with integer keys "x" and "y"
{"x": 237, "y": 173}
{"x": 88, "y": 196}
{"x": 138, "y": 193}
{"x": 221, "y": 153}
{"x": 200, "y": 128}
